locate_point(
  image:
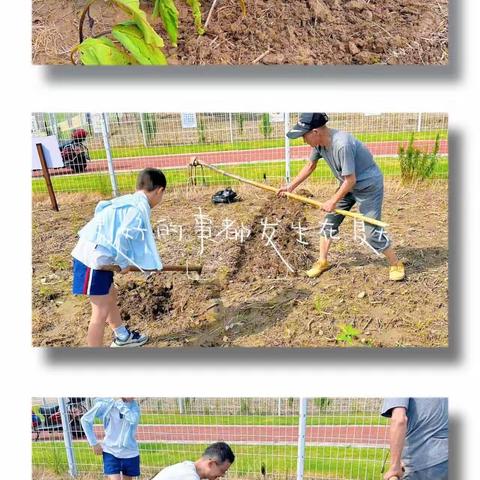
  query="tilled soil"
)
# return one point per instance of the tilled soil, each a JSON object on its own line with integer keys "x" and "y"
{"x": 246, "y": 295}
{"x": 299, "y": 32}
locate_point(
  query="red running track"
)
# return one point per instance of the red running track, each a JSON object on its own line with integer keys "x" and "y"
{"x": 336, "y": 435}
{"x": 236, "y": 156}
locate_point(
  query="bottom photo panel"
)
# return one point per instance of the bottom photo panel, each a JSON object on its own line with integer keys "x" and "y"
{"x": 239, "y": 438}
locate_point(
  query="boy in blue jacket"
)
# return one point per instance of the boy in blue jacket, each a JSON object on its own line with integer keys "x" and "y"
{"x": 119, "y": 448}
{"x": 119, "y": 238}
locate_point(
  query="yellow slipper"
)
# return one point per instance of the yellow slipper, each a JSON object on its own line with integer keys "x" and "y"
{"x": 397, "y": 272}
{"x": 318, "y": 268}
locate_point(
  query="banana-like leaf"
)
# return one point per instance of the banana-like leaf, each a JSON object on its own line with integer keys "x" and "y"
{"x": 132, "y": 3}
{"x": 132, "y": 8}
{"x": 167, "y": 11}
{"x": 101, "y": 51}
{"x": 131, "y": 37}
{"x": 197, "y": 15}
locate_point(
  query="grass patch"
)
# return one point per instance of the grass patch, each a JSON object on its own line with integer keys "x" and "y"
{"x": 320, "y": 304}
{"x": 280, "y": 460}
{"x": 58, "y": 262}
{"x": 141, "y": 150}
{"x": 49, "y": 292}
{"x": 273, "y": 171}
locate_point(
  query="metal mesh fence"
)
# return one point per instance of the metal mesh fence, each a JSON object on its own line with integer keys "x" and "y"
{"x": 272, "y": 438}
{"x": 252, "y": 145}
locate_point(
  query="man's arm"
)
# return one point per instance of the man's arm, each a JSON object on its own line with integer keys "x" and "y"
{"x": 398, "y": 431}
{"x": 304, "y": 173}
{"x": 346, "y": 187}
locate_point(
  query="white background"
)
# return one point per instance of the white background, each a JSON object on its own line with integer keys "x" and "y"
{"x": 453, "y": 372}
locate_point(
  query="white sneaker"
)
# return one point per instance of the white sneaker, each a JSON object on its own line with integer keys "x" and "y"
{"x": 134, "y": 339}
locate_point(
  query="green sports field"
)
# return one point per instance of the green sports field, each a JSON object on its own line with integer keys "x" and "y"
{"x": 272, "y": 171}
{"x": 279, "y": 460}
{"x": 137, "y": 150}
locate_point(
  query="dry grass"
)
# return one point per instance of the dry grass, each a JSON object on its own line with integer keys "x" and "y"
{"x": 421, "y": 51}
{"x": 55, "y": 28}
{"x": 47, "y": 40}
{"x": 39, "y": 475}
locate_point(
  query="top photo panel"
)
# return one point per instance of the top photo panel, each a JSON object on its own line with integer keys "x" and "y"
{"x": 239, "y": 32}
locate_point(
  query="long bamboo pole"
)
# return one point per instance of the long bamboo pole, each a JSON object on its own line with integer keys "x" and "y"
{"x": 165, "y": 268}
{"x": 293, "y": 196}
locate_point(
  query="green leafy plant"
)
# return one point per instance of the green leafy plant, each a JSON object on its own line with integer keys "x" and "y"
{"x": 245, "y": 408}
{"x": 240, "y": 117}
{"x": 150, "y": 126}
{"x": 347, "y": 334}
{"x": 189, "y": 402}
{"x": 266, "y": 126}
{"x": 202, "y": 136}
{"x": 167, "y": 11}
{"x": 416, "y": 164}
{"x": 141, "y": 44}
{"x": 134, "y": 42}
{"x": 322, "y": 403}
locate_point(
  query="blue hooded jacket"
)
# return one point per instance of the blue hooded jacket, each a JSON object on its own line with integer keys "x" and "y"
{"x": 122, "y": 226}
{"x": 121, "y": 439}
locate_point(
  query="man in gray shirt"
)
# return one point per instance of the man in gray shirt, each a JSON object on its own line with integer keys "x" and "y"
{"x": 418, "y": 438}
{"x": 361, "y": 181}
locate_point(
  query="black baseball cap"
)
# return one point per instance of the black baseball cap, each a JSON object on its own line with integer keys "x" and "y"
{"x": 307, "y": 122}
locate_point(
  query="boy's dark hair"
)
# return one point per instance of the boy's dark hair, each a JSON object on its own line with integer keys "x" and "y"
{"x": 150, "y": 179}
{"x": 221, "y": 451}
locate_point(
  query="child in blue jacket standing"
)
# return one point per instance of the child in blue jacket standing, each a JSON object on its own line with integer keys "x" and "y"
{"x": 119, "y": 448}
{"x": 119, "y": 238}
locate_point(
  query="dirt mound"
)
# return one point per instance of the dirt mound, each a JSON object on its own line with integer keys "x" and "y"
{"x": 273, "y": 248}
{"x": 151, "y": 302}
{"x": 157, "y": 299}
{"x": 198, "y": 306}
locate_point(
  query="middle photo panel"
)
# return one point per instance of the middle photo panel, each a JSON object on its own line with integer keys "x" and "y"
{"x": 240, "y": 229}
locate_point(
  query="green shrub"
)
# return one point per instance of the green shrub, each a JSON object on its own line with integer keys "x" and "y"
{"x": 347, "y": 334}
{"x": 240, "y": 117}
{"x": 202, "y": 136}
{"x": 150, "y": 126}
{"x": 322, "y": 403}
{"x": 245, "y": 406}
{"x": 415, "y": 164}
{"x": 266, "y": 126}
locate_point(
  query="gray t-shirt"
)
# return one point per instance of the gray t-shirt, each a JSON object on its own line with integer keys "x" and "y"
{"x": 179, "y": 471}
{"x": 347, "y": 155}
{"x": 426, "y": 443}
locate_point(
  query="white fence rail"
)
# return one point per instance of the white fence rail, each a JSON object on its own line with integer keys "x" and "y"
{"x": 272, "y": 438}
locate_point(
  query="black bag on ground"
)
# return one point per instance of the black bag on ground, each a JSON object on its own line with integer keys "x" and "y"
{"x": 225, "y": 196}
